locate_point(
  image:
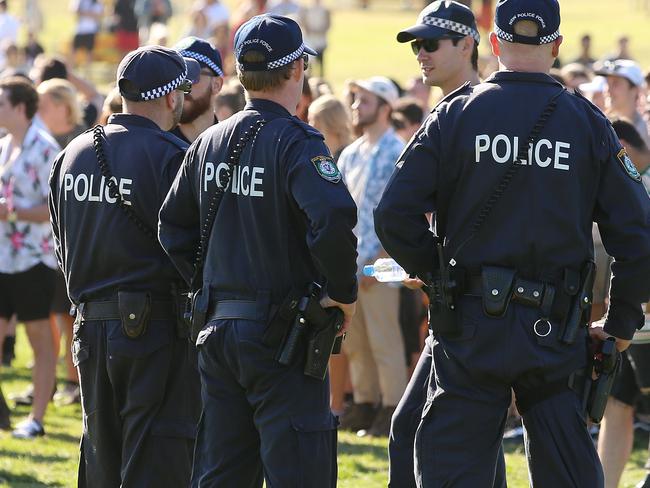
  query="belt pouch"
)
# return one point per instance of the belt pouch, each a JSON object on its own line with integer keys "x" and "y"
{"x": 135, "y": 309}
{"x": 497, "y": 289}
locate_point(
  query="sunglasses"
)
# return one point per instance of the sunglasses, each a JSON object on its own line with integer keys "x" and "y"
{"x": 429, "y": 45}
{"x": 305, "y": 60}
{"x": 185, "y": 87}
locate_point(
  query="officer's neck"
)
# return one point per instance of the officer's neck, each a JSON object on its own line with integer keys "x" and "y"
{"x": 462, "y": 77}
{"x": 284, "y": 97}
{"x": 192, "y": 130}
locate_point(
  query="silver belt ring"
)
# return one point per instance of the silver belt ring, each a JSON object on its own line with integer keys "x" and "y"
{"x": 542, "y": 321}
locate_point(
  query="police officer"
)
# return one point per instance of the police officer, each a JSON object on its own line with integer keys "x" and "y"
{"x": 445, "y": 42}
{"x": 198, "y": 107}
{"x": 284, "y": 220}
{"x": 500, "y": 318}
{"x": 139, "y": 385}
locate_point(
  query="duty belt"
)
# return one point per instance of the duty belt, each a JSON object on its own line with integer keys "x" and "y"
{"x": 109, "y": 310}
{"x": 257, "y": 310}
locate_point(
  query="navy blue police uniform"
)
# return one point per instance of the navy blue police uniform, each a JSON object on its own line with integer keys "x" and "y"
{"x": 442, "y": 19}
{"x": 539, "y": 238}
{"x": 285, "y": 220}
{"x": 208, "y": 58}
{"x": 139, "y": 381}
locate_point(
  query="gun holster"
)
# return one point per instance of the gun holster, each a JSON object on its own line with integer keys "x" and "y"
{"x": 199, "y": 301}
{"x": 135, "y": 309}
{"x": 322, "y": 341}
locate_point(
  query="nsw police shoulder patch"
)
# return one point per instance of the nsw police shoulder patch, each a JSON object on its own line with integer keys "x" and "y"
{"x": 628, "y": 165}
{"x": 326, "y": 168}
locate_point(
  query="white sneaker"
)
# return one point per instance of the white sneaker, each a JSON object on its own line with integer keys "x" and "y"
{"x": 28, "y": 429}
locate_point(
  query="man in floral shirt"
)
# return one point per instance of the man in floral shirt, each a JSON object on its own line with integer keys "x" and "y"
{"x": 27, "y": 259}
{"x": 374, "y": 344}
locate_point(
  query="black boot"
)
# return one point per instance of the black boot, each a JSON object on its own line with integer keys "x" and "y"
{"x": 8, "y": 350}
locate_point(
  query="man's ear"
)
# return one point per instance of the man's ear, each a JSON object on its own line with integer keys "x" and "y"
{"x": 494, "y": 42}
{"x": 217, "y": 84}
{"x": 556, "y": 46}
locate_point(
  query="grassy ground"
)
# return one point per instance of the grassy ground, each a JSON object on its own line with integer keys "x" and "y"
{"x": 52, "y": 461}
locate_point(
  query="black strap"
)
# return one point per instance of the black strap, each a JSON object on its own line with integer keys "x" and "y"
{"x": 502, "y": 186}
{"x": 224, "y": 180}
{"x": 113, "y": 190}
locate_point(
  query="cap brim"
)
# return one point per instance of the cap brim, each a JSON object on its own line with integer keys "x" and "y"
{"x": 423, "y": 31}
{"x": 193, "y": 70}
{"x": 309, "y": 50}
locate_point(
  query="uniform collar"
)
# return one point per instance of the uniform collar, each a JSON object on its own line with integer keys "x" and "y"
{"x": 264, "y": 105}
{"x": 132, "y": 119}
{"x": 501, "y": 76}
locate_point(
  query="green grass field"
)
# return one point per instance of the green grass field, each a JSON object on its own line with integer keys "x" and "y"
{"x": 362, "y": 44}
{"x": 52, "y": 461}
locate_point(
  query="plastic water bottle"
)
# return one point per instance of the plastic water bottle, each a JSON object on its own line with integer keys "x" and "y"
{"x": 385, "y": 270}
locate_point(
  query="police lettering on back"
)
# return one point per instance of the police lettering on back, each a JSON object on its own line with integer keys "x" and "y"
{"x": 246, "y": 181}
{"x": 93, "y": 188}
{"x": 503, "y": 149}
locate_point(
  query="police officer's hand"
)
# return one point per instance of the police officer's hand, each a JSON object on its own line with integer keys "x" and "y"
{"x": 598, "y": 334}
{"x": 413, "y": 283}
{"x": 348, "y": 310}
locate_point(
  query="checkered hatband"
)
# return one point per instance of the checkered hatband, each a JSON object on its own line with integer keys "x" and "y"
{"x": 161, "y": 91}
{"x": 203, "y": 59}
{"x": 452, "y": 26}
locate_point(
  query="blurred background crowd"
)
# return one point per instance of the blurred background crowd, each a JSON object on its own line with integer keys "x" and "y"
{"x": 366, "y": 123}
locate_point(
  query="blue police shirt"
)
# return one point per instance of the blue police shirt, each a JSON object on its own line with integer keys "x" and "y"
{"x": 99, "y": 249}
{"x": 281, "y": 224}
{"x": 574, "y": 174}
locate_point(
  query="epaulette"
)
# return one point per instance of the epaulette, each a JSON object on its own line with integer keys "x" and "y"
{"x": 169, "y": 137}
{"x": 306, "y": 128}
{"x": 464, "y": 88}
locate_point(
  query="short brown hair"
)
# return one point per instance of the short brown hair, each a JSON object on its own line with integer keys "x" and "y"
{"x": 262, "y": 80}
{"x": 21, "y": 91}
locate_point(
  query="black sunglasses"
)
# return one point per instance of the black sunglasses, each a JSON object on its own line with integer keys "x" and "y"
{"x": 305, "y": 60}
{"x": 185, "y": 87}
{"x": 429, "y": 45}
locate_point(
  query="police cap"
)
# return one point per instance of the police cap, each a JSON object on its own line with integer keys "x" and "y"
{"x": 442, "y": 18}
{"x": 153, "y": 72}
{"x": 545, "y": 13}
{"x": 278, "y": 38}
{"x": 202, "y": 51}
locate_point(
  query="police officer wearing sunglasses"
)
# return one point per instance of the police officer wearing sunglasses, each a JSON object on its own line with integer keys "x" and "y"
{"x": 515, "y": 170}
{"x": 445, "y": 41}
{"x": 139, "y": 383}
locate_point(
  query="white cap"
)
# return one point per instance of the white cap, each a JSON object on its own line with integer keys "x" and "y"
{"x": 624, "y": 68}
{"x": 597, "y": 85}
{"x": 380, "y": 86}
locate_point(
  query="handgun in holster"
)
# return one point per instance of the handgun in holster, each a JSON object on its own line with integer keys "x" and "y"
{"x": 599, "y": 378}
{"x": 320, "y": 326}
{"x": 580, "y": 287}
{"x": 443, "y": 287}
{"x": 196, "y": 310}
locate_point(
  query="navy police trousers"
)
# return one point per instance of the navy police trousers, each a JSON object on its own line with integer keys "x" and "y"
{"x": 405, "y": 422}
{"x": 459, "y": 437}
{"x": 260, "y": 420}
{"x": 141, "y": 404}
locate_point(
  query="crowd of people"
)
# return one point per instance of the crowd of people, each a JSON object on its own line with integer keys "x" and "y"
{"x": 380, "y": 378}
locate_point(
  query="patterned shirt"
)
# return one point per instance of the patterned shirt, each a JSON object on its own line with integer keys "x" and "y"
{"x": 366, "y": 176}
{"x": 24, "y": 184}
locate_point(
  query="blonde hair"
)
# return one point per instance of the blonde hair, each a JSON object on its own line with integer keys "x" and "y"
{"x": 330, "y": 111}
{"x": 62, "y": 92}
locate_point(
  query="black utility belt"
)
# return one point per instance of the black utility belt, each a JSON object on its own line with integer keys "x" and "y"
{"x": 109, "y": 310}
{"x": 500, "y": 286}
